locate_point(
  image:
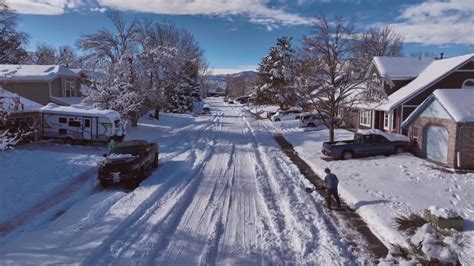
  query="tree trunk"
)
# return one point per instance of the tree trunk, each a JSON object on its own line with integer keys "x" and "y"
{"x": 157, "y": 112}
{"x": 331, "y": 132}
{"x": 134, "y": 120}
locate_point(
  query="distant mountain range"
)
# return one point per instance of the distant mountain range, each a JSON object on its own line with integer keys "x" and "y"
{"x": 222, "y": 78}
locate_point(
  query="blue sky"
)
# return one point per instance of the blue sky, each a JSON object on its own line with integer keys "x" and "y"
{"x": 236, "y": 34}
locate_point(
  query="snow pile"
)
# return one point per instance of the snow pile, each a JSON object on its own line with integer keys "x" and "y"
{"x": 443, "y": 212}
{"x": 458, "y": 103}
{"x": 433, "y": 247}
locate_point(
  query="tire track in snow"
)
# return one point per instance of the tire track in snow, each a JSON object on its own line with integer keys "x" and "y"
{"x": 273, "y": 181}
{"x": 115, "y": 246}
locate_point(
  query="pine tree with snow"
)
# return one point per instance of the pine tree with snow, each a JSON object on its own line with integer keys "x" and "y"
{"x": 277, "y": 75}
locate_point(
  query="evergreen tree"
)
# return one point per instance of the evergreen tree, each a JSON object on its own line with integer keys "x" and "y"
{"x": 276, "y": 75}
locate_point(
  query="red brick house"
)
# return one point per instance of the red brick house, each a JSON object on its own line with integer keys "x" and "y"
{"x": 442, "y": 128}
{"x": 409, "y": 91}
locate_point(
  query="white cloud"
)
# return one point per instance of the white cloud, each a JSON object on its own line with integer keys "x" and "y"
{"x": 43, "y": 7}
{"x": 257, "y": 10}
{"x": 220, "y": 71}
{"x": 438, "y": 23}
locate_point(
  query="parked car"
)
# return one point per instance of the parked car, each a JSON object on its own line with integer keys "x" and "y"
{"x": 290, "y": 114}
{"x": 367, "y": 143}
{"x": 243, "y": 99}
{"x": 206, "y": 109}
{"x": 129, "y": 163}
{"x": 314, "y": 120}
{"x": 226, "y": 99}
{"x": 231, "y": 101}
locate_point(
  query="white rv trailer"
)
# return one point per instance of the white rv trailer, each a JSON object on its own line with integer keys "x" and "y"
{"x": 80, "y": 124}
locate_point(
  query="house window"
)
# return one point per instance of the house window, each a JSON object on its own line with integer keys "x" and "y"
{"x": 468, "y": 84}
{"x": 87, "y": 123}
{"x": 62, "y": 120}
{"x": 69, "y": 88}
{"x": 386, "y": 120}
{"x": 62, "y": 131}
{"x": 365, "y": 118}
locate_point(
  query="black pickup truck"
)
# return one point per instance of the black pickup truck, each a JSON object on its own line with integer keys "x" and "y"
{"x": 129, "y": 163}
{"x": 367, "y": 143}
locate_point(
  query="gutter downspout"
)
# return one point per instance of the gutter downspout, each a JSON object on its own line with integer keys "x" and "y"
{"x": 458, "y": 144}
{"x": 49, "y": 85}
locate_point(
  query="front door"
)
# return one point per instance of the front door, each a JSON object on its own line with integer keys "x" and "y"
{"x": 436, "y": 143}
{"x": 87, "y": 131}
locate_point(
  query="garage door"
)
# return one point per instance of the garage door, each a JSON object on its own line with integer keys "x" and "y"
{"x": 437, "y": 143}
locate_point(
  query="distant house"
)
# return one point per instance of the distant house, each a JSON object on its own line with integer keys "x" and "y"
{"x": 412, "y": 81}
{"x": 442, "y": 128}
{"x": 42, "y": 83}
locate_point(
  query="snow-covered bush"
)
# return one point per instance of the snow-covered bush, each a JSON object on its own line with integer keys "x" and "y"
{"x": 426, "y": 243}
{"x": 10, "y": 132}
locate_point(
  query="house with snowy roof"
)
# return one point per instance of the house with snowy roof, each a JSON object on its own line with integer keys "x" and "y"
{"x": 442, "y": 128}
{"x": 410, "y": 81}
{"x": 42, "y": 83}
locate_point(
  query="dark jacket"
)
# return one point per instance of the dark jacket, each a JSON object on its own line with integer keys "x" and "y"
{"x": 331, "y": 181}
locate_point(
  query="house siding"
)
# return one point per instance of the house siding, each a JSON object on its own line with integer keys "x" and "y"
{"x": 35, "y": 91}
{"x": 397, "y": 84}
{"x": 466, "y": 143}
{"x": 452, "y": 81}
{"x": 422, "y": 123}
{"x": 56, "y": 88}
{"x": 468, "y": 66}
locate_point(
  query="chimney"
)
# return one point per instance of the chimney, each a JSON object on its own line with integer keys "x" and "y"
{"x": 441, "y": 56}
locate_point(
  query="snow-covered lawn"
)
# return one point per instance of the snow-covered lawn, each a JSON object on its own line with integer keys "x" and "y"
{"x": 32, "y": 172}
{"x": 383, "y": 187}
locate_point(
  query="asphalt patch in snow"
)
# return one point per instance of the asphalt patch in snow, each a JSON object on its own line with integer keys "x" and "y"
{"x": 347, "y": 216}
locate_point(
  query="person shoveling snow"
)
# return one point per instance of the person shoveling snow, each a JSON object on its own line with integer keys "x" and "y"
{"x": 330, "y": 184}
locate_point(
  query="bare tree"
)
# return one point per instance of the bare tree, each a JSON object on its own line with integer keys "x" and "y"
{"x": 332, "y": 86}
{"x": 383, "y": 41}
{"x": 12, "y": 42}
{"x": 46, "y": 54}
{"x": 105, "y": 47}
{"x": 236, "y": 86}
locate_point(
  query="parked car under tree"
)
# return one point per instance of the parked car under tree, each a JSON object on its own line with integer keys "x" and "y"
{"x": 314, "y": 120}
{"x": 290, "y": 114}
{"x": 129, "y": 163}
{"x": 367, "y": 143}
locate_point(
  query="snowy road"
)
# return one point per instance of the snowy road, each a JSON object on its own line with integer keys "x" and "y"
{"x": 224, "y": 194}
